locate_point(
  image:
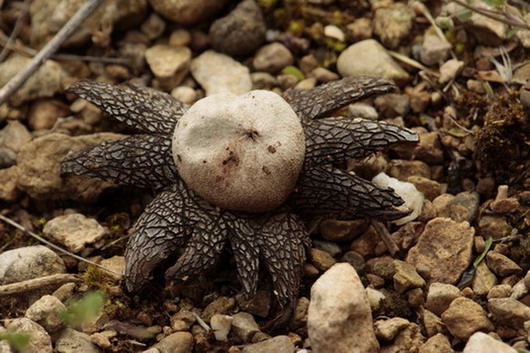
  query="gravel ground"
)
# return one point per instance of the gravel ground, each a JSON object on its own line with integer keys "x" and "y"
{"x": 458, "y": 279}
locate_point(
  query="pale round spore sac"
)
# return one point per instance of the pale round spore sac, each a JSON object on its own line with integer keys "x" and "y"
{"x": 241, "y": 153}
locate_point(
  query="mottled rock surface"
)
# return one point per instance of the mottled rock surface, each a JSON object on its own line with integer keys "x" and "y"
{"x": 445, "y": 247}
{"x": 339, "y": 318}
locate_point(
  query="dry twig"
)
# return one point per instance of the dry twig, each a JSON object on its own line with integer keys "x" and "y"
{"x": 16, "y": 30}
{"x": 385, "y": 237}
{"x": 51, "y": 47}
{"x": 37, "y": 283}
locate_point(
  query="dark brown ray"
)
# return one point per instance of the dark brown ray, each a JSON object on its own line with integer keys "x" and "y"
{"x": 139, "y": 160}
{"x": 335, "y": 139}
{"x": 174, "y": 219}
{"x": 242, "y": 235}
{"x": 141, "y": 108}
{"x": 323, "y": 191}
{"x": 282, "y": 243}
{"x": 317, "y": 102}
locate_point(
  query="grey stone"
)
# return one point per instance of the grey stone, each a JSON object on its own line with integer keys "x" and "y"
{"x": 388, "y": 329}
{"x": 168, "y": 63}
{"x": 75, "y": 231}
{"x": 39, "y": 341}
{"x": 47, "y": 312}
{"x": 465, "y": 317}
{"x": 221, "y": 325}
{"x": 272, "y": 58}
{"x": 187, "y": 12}
{"x": 437, "y": 344}
{"x": 240, "y": 32}
{"x": 434, "y": 49}
{"x": 406, "y": 277}
{"x": 12, "y": 138}
{"x": 221, "y": 305}
{"x": 244, "y": 326}
{"x": 45, "y": 82}
{"x": 509, "y": 312}
{"x": 219, "y": 73}
{"x": 369, "y": 58}
{"x": 482, "y": 343}
{"x": 72, "y": 341}
{"x": 49, "y": 16}
{"x": 502, "y": 265}
{"x": 440, "y": 296}
{"x": 178, "y": 342}
{"x": 278, "y": 344}
{"x": 29, "y": 262}
{"x": 39, "y": 162}
{"x": 484, "y": 280}
{"x": 445, "y": 247}
{"x": 392, "y": 24}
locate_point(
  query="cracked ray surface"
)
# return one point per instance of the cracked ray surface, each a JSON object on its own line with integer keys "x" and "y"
{"x": 140, "y": 108}
{"x": 182, "y": 226}
{"x": 140, "y": 160}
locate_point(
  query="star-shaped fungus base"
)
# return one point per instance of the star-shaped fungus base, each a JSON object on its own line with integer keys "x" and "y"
{"x": 180, "y": 222}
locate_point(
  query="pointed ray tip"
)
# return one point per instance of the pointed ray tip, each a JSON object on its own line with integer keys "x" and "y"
{"x": 78, "y": 87}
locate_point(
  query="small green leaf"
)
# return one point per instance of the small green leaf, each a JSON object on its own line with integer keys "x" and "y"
{"x": 487, "y": 246}
{"x": 457, "y": 132}
{"x": 17, "y": 340}
{"x": 293, "y": 70}
{"x": 84, "y": 310}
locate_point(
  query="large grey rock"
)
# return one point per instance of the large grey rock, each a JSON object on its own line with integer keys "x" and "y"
{"x": 74, "y": 231}
{"x": 39, "y": 341}
{"x": 38, "y": 169}
{"x": 29, "y": 262}
{"x": 72, "y": 341}
{"x": 340, "y": 317}
{"x": 240, "y": 32}
{"x": 219, "y": 73}
{"x": 480, "y": 342}
{"x": 187, "y": 12}
{"x": 445, "y": 247}
{"x": 49, "y": 16}
{"x": 369, "y": 58}
{"x": 45, "y": 82}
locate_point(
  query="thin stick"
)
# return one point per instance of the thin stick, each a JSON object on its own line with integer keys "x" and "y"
{"x": 16, "y": 30}
{"x": 37, "y": 283}
{"x": 52, "y": 245}
{"x": 385, "y": 237}
{"x": 51, "y": 47}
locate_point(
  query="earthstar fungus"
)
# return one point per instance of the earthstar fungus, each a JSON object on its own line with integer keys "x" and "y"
{"x": 263, "y": 194}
